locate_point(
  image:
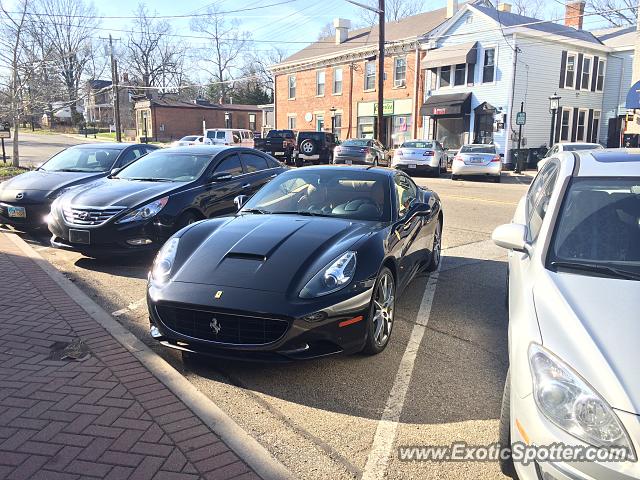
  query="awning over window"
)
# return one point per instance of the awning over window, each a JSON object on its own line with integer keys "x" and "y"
{"x": 453, "y": 55}
{"x": 452, "y": 104}
{"x": 633, "y": 97}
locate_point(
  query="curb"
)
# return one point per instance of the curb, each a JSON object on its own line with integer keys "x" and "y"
{"x": 244, "y": 445}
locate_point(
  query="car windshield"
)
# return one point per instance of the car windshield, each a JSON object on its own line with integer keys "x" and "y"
{"x": 478, "y": 149}
{"x": 77, "y": 159}
{"x": 586, "y": 146}
{"x": 600, "y": 224}
{"x": 417, "y": 145}
{"x": 357, "y": 195}
{"x": 355, "y": 143}
{"x": 166, "y": 166}
{"x": 189, "y": 139}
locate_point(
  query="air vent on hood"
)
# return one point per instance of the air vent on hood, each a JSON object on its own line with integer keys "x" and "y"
{"x": 246, "y": 256}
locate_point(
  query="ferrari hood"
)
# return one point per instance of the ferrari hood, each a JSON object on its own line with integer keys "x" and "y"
{"x": 126, "y": 193}
{"x": 591, "y": 323}
{"x": 269, "y": 252}
{"x": 40, "y": 183}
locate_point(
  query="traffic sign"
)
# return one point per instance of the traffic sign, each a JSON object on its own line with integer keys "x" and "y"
{"x": 521, "y": 118}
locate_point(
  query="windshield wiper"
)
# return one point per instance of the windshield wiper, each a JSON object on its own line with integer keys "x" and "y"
{"x": 306, "y": 213}
{"x": 254, "y": 210}
{"x": 149, "y": 179}
{"x": 73, "y": 170}
{"x": 595, "y": 268}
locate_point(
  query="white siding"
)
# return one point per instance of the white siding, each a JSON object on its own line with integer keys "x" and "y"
{"x": 616, "y": 85}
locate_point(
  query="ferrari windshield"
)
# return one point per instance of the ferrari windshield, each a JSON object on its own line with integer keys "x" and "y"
{"x": 599, "y": 225}
{"x": 331, "y": 192}
{"x": 166, "y": 166}
{"x": 83, "y": 159}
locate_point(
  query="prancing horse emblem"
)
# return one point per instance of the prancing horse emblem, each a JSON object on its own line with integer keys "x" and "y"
{"x": 215, "y": 325}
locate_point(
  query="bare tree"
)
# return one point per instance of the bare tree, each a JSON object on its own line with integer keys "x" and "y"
{"x": 617, "y": 13}
{"x": 227, "y": 44}
{"x": 529, "y": 8}
{"x": 328, "y": 31}
{"x": 152, "y": 58}
{"x": 394, "y": 10}
{"x": 260, "y": 67}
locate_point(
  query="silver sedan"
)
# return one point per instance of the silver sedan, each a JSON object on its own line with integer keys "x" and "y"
{"x": 477, "y": 159}
{"x": 574, "y": 297}
{"x": 420, "y": 156}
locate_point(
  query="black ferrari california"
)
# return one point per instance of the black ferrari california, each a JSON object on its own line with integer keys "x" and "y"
{"x": 310, "y": 266}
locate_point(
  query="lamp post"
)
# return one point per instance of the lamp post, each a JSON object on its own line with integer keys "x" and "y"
{"x": 554, "y": 106}
{"x": 332, "y": 111}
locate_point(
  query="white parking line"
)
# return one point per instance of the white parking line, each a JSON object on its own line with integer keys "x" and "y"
{"x": 380, "y": 454}
{"x": 130, "y": 307}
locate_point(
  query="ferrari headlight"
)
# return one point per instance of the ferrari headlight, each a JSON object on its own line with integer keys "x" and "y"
{"x": 163, "y": 264}
{"x": 573, "y": 405}
{"x": 145, "y": 212}
{"x": 331, "y": 278}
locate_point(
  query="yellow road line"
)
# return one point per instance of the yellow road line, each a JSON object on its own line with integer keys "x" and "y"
{"x": 477, "y": 199}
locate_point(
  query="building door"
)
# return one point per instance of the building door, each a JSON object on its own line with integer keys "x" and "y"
{"x": 613, "y": 132}
{"x": 484, "y": 128}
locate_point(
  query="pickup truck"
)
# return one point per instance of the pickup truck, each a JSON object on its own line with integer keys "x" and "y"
{"x": 278, "y": 143}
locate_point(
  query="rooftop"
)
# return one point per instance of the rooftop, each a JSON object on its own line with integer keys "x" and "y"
{"x": 622, "y": 38}
{"x": 173, "y": 103}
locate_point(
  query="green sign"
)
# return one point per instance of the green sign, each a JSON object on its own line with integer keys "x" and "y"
{"x": 521, "y": 118}
{"x": 387, "y": 108}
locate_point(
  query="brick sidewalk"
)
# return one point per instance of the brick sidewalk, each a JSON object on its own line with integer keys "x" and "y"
{"x": 105, "y": 417}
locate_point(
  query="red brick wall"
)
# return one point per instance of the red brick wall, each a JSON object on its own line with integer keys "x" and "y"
{"x": 307, "y": 101}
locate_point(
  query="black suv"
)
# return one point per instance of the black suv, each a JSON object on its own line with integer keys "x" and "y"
{"x": 314, "y": 147}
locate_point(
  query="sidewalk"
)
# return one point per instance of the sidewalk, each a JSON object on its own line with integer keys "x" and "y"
{"x": 107, "y": 416}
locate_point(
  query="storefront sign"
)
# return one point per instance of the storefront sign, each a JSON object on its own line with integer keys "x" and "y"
{"x": 439, "y": 111}
{"x": 387, "y": 108}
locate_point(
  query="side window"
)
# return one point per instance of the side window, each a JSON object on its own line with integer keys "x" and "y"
{"x": 253, "y": 163}
{"x": 406, "y": 193}
{"x": 538, "y": 198}
{"x": 237, "y": 138}
{"x": 230, "y": 164}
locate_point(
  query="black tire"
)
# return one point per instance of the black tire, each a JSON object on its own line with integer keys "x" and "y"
{"x": 454, "y": 177}
{"x": 506, "y": 464}
{"x": 506, "y": 295}
{"x": 299, "y": 162}
{"x": 187, "y": 218}
{"x": 436, "y": 249}
{"x": 497, "y": 179}
{"x": 436, "y": 174}
{"x": 375, "y": 162}
{"x": 308, "y": 146}
{"x": 373, "y": 346}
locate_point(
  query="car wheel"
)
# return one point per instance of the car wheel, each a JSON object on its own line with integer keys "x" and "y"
{"x": 506, "y": 464}
{"x": 497, "y": 179}
{"x": 299, "y": 162}
{"x": 308, "y": 147}
{"x": 436, "y": 174}
{"x": 436, "y": 249}
{"x": 187, "y": 218}
{"x": 381, "y": 313}
{"x": 454, "y": 177}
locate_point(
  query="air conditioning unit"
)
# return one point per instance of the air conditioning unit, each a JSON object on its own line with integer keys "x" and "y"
{"x": 402, "y": 83}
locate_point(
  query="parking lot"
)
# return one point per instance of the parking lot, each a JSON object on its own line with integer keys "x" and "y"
{"x": 322, "y": 419}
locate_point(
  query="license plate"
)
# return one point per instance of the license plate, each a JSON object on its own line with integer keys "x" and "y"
{"x": 279, "y": 153}
{"x": 412, "y": 166}
{"x": 477, "y": 160}
{"x": 349, "y": 162}
{"x": 17, "y": 212}
{"x": 80, "y": 236}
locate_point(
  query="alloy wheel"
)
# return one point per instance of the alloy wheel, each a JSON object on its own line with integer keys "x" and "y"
{"x": 383, "y": 309}
{"x": 437, "y": 245}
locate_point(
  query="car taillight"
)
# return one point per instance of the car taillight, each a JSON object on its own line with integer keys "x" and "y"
{"x": 428, "y": 153}
{"x": 365, "y": 150}
{"x": 496, "y": 158}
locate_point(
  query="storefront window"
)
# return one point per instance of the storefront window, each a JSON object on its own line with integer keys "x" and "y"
{"x": 401, "y": 129}
{"x": 450, "y": 132}
{"x": 365, "y": 127}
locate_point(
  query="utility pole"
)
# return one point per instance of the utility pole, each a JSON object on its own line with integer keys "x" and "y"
{"x": 116, "y": 96}
{"x": 381, "y": 130}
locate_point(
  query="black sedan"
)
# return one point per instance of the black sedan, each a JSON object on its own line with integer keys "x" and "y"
{"x": 25, "y": 200}
{"x": 310, "y": 266}
{"x": 146, "y": 202}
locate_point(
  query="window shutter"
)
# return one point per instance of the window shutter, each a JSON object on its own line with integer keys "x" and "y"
{"x": 594, "y": 75}
{"x": 574, "y": 125}
{"x": 589, "y": 125}
{"x": 578, "y": 83}
{"x": 563, "y": 69}
{"x": 558, "y": 126}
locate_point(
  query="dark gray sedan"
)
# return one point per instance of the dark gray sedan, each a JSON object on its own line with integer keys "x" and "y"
{"x": 361, "y": 151}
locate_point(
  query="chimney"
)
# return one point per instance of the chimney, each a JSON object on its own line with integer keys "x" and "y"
{"x": 452, "y": 8}
{"x": 342, "y": 27}
{"x": 573, "y": 13}
{"x": 504, "y": 7}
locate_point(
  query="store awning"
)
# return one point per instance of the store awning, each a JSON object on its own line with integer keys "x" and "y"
{"x": 633, "y": 97}
{"x": 452, "y": 104}
{"x": 453, "y": 55}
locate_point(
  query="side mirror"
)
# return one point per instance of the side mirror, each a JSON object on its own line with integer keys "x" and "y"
{"x": 114, "y": 171}
{"x": 420, "y": 208}
{"x": 511, "y": 236}
{"x": 221, "y": 177}
{"x": 240, "y": 200}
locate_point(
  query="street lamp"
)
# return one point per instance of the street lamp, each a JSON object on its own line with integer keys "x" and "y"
{"x": 333, "y": 110}
{"x": 554, "y": 106}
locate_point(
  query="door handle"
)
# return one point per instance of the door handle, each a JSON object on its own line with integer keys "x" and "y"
{"x": 246, "y": 185}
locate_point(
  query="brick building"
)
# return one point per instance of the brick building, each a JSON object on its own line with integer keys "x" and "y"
{"x": 331, "y": 85}
{"x": 168, "y": 119}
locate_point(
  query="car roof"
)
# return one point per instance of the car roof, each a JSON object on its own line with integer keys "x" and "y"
{"x": 203, "y": 149}
{"x": 113, "y": 145}
{"x": 608, "y": 162}
{"x": 576, "y": 143}
{"x": 356, "y": 168}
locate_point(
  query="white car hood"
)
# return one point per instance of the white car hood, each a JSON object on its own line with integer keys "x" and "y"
{"x": 593, "y": 324}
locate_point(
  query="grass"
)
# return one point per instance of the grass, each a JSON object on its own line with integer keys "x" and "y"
{"x": 109, "y": 135}
{"x": 7, "y": 171}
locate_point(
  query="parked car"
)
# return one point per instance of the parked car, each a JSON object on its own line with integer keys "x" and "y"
{"x": 314, "y": 147}
{"x": 574, "y": 296}
{"x": 188, "y": 140}
{"x": 25, "y": 200}
{"x": 236, "y": 137}
{"x": 278, "y": 143}
{"x": 477, "y": 159}
{"x": 361, "y": 151}
{"x": 568, "y": 147}
{"x": 310, "y": 266}
{"x": 421, "y": 156}
{"x": 149, "y": 200}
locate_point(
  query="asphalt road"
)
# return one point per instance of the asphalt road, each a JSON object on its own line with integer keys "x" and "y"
{"x": 37, "y": 148}
{"x": 322, "y": 419}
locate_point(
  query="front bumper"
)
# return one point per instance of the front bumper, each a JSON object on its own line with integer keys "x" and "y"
{"x": 458, "y": 167}
{"x": 302, "y": 339}
{"x": 36, "y": 215}
{"x": 541, "y": 431}
{"x": 110, "y": 238}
